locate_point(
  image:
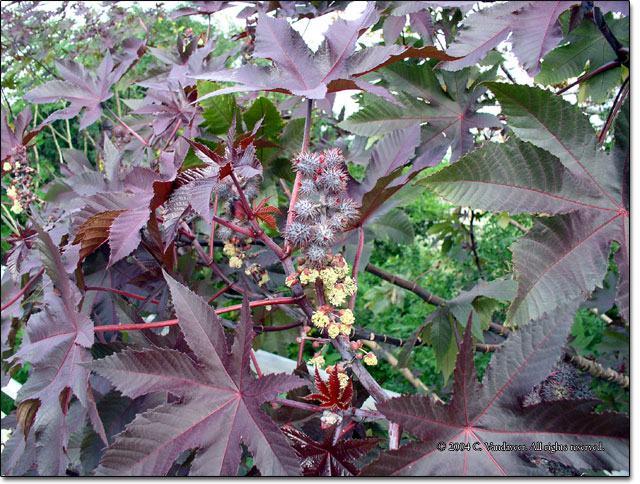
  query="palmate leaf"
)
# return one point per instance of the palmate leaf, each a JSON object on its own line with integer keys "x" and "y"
{"x": 82, "y": 89}
{"x": 492, "y": 412}
{"x": 452, "y": 113}
{"x": 565, "y": 174}
{"x": 534, "y": 27}
{"x": 334, "y": 67}
{"x": 56, "y": 342}
{"x": 18, "y": 136}
{"x": 219, "y": 406}
{"x": 328, "y": 458}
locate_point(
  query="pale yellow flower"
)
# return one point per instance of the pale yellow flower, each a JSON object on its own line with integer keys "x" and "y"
{"x": 347, "y": 317}
{"x": 6, "y": 166}
{"x": 263, "y": 280}
{"x": 17, "y": 207}
{"x": 319, "y": 319}
{"x": 329, "y": 276}
{"x": 229, "y": 249}
{"x": 318, "y": 361}
{"x": 12, "y": 193}
{"x": 333, "y": 330}
{"x": 235, "y": 262}
{"x": 370, "y": 359}
{"x": 345, "y": 329}
{"x": 337, "y": 297}
{"x": 349, "y": 286}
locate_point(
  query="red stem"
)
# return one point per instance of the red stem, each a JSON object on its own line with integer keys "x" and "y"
{"x": 24, "y": 289}
{"x": 121, "y": 293}
{"x": 219, "y": 293}
{"x": 356, "y": 264}
{"x": 316, "y": 408}
{"x": 213, "y": 228}
{"x": 175, "y": 130}
{"x": 124, "y": 125}
{"x": 255, "y": 363}
{"x": 233, "y": 227}
{"x": 172, "y": 322}
{"x": 617, "y": 103}
{"x": 296, "y": 183}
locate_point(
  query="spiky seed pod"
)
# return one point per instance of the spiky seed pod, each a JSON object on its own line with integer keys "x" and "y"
{"x": 334, "y": 202}
{"x": 224, "y": 233}
{"x": 348, "y": 209}
{"x": 305, "y": 209}
{"x": 317, "y": 255}
{"x": 322, "y": 234}
{"x": 298, "y": 233}
{"x": 223, "y": 190}
{"x": 307, "y": 164}
{"x": 251, "y": 192}
{"x": 333, "y": 157}
{"x": 336, "y": 222}
{"x": 332, "y": 179}
{"x": 307, "y": 187}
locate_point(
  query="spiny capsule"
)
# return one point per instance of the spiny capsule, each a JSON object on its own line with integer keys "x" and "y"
{"x": 305, "y": 209}
{"x": 317, "y": 254}
{"x": 323, "y": 234}
{"x": 333, "y": 179}
{"x": 348, "y": 209}
{"x": 298, "y": 233}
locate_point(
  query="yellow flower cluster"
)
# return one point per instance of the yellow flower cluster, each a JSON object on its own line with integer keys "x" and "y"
{"x": 370, "y": 359}
{"x": 320, "y": 319}
{"x": 229, "y": 249}
{"x": 309, "y": 276}
{"x": 347, "y": 317}
{"x": 318, "y": 361}
{"x": 235, "y": 262}
{"x": 291, "y": 280}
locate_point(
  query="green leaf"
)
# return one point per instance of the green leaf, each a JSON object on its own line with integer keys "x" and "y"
{"x": 218, "y": 111}
{"x": 264, "y": 109}
{"x": 396, "y": 226}
{"x": 585, "y": 50}
{"x": 444, "y": 342}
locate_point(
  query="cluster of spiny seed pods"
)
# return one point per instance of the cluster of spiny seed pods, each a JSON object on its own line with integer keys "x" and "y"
{"x": 22, "y": 189}
{"x": 323, "y": 208}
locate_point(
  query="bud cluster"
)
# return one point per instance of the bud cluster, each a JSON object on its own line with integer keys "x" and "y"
{"x": 323, "y": 208}
{"x": 22, "y": 189}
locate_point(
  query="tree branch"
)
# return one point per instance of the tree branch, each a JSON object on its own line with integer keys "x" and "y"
{"x": 403, "y": 283}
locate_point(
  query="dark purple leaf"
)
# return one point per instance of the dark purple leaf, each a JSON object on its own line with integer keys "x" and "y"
{"x": 492, "y": 412}
{"x": 56, "y": 342}
{"x": 330, "y": 457}
{"x": 534, "y": 27}
{"x": 82, "y": 89}
{"x": 451, "y": 113}
{"x": 566, "y": 174}
{"x": 219, "y": 406}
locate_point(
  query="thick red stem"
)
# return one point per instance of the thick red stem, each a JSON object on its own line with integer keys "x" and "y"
{"x": 121, "y": 293}
{"x": 296, "y": 183}
{"x": 172, "y": 322}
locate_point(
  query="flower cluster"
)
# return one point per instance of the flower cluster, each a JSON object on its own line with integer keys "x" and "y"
{"x": 323, "y": 209}
{"x": 21, "y": 192}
